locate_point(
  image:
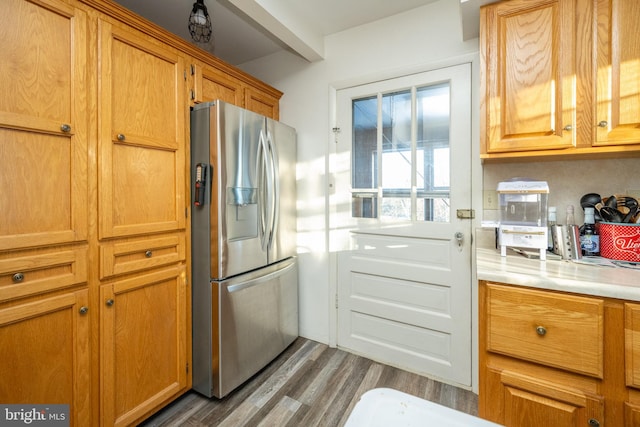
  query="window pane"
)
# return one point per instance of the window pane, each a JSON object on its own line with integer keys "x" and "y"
{"x": 396, "y": 156}
{"x": 433, "y": 175}
{"x": 431, "y": 171}
{"x": 364, "y": 168}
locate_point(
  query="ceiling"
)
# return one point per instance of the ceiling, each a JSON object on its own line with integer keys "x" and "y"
{"x": 244, "y": 30}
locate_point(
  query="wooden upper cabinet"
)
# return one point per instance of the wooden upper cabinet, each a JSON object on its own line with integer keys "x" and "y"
{"x": 141, "y": 134}
{"x": 43, "y": 124}
{"x": 211, "y": 84}
{"x": 262, "y": 103}
{"x": 528, "y": 77}
{"x": 618, "y": 72}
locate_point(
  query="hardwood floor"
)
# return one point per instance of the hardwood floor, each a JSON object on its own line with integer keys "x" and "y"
{"x": 309, "y": 384}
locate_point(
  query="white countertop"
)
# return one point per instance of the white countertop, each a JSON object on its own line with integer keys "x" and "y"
{"x": 559, "y": 275}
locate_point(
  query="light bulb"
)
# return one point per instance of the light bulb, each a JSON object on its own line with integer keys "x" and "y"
{"x": 199, "y": 18}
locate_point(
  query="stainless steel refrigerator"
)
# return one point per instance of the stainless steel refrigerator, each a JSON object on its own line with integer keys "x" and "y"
{"x": 245, "y": 277}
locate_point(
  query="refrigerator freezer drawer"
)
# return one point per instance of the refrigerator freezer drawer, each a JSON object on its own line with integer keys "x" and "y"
{"x": 256, "y": 319}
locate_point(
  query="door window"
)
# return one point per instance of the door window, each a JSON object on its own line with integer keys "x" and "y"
{"x": 400, "y": 167}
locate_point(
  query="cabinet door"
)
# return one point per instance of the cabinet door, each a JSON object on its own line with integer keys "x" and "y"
{"x": 261, "y": 103}
{"x": 143, "y": 343}
{"x": 529, "y": 402}
{"x": 211, "y": 84}
{"x": 141, "y": 135}
{"x": 45, "y": 354}
{"x": 632, "y": 344}
{"x": 527, "y": 76}
{"x": 43, "y": 140}
{"x": 618, "y": 73}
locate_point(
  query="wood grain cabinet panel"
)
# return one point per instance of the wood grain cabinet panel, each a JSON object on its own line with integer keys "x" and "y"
{"x": 38, "y": 271}
{"x": 45, "y": 354}
{"x": 559, "y": 79}
{"x": 530, "y": 402}
{"x": 528, "y": 76}
{"x": 261, "y": 103}
{"x": 211, "y": 84}
{"x": 132, "y": 255}
{"x": 143, "y": 344}
{"x": 570, "y": 373}
{"x": 43, "y": 124}
{"x": 618, "y": 72}
{"x": 564, "y": 331}
{"x": 142, "y": 135}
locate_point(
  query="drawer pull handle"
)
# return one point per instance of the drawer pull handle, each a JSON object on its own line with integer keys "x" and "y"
{"x": 17, "y": 278}
{"x": 594, "y": 423}
{"x": 148, "y": 254}
{"x": 541, "y": 330}
{"x": 65, "y": 128}
{"x": 603, "y": 124}
{"x": 121, "y": 137}
{"x": 109, "y": 302}
{"x": 84, "y": 309}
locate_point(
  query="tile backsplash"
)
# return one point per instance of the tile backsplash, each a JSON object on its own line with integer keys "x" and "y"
{"x": 568, "y": 180}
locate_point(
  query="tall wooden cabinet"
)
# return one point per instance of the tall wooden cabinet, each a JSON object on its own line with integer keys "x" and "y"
{"x": 559, "y": 78}
{"x": 141, "y": 221}
{"x": 94, "y": 214}
{"x": 44, "y": 309}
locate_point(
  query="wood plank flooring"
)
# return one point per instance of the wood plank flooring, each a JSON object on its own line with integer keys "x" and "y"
{"x": 309, "y": 384}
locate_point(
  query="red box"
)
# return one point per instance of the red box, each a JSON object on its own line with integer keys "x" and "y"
{"x": 620, "y": 241}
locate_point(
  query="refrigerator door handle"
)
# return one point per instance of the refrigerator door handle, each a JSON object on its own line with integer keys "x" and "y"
{"x": 275, "y": 188}
{"x": 263, "y": 190}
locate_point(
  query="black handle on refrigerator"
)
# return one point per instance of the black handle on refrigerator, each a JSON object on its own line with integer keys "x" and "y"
{"x": 200, "y": 184}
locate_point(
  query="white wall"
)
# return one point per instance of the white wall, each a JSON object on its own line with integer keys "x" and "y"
{"x": 422, "y": 39}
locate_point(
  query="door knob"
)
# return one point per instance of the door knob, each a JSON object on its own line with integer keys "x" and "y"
{"x": 459, "y": 236}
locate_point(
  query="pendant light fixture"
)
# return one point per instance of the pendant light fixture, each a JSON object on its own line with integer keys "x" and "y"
{"x": 199, "y": 23}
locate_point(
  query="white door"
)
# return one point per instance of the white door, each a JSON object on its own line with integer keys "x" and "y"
{"x": 402, "y": 171}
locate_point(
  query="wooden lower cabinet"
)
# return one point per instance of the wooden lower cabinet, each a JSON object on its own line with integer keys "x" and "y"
{"x": 143, "y": 344}
{"x": 55, "y": 366}
{"x": 531, "y": 402}
{"x": 554, "y": 359}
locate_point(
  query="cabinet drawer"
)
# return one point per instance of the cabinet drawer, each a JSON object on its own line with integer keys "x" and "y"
{"x": 562, "y": 331}
{"x": 127, "y": 256}
{"x": 34, "y": 272}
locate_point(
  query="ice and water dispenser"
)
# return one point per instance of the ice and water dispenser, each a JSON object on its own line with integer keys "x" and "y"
{"x": 523, "y": 215}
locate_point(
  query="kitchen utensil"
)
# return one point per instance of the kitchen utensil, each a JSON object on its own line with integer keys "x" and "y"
{"x": 610, "y": 214}
{"x": 629, "y": 216}
{"x": 566, "y": 241}
{"x": 627, "y": 201}
{"x": 590, "y": 200}
{"x": 611, "y": 202}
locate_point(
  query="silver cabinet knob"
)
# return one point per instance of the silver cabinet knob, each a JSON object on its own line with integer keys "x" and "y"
{"x": 65, "y": 128}
{"x": 109, "y": 302}
{"x": 84, "y": 309}
{"x": 594, "y": 423}
{"x": 148, "y": 254}
{"x": 541, "y": 330}
{"x": 18, "y": 277}
{"x": 603, "y": 124}
{"x": 121, "y": 137}
{"x": 568, "y": 128}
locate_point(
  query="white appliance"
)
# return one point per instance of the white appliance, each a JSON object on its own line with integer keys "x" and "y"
{"x": 245, "y": 279}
